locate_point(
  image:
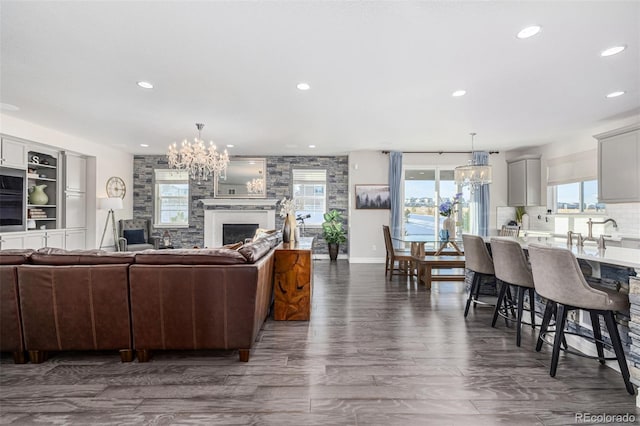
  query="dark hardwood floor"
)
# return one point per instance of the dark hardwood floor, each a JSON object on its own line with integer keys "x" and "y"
{"x": 374, "y": 352}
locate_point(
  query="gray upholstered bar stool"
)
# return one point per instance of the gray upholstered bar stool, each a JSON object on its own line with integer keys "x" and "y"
{"x": 512, "y": 268}
{"x": 478, "y": 260}
{"x": 558, "y": 278}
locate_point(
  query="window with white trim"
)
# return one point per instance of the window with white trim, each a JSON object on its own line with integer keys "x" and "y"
{"x": 310, "y": 194}
{"x": 577, "y": 197}
{"x": 171, "y": 198}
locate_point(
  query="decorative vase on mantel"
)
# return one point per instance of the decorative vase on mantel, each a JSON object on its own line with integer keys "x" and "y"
{"x": 289, "y": 229}
{"x": 450, "y": 225}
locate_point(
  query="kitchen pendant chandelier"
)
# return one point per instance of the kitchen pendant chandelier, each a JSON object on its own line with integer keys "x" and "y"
{"x": 472, "y": 175}
{"x": 198, "y": 159}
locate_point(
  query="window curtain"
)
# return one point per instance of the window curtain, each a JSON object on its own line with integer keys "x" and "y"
{"x": 480, "y": 198}
{"x": 395, "y": 193}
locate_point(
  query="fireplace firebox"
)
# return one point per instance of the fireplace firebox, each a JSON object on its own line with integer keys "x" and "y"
{"x": 235, "y": 232}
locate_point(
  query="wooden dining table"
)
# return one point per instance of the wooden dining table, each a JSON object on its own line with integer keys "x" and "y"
{"x": 443, "y": 254}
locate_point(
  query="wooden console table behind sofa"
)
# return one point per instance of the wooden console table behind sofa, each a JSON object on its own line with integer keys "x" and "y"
{"x": 293, "y": 281}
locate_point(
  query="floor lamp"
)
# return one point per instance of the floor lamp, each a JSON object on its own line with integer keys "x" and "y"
{"x": 110, "y": 204}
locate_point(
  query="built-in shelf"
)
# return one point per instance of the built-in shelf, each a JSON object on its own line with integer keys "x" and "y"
{"x": 40, "y": 165}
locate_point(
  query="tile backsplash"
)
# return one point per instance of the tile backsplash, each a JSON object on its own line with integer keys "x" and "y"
{"x": 627, "y": 216}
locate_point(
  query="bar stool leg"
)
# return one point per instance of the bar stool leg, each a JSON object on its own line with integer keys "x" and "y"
{"x": 617, "y": 347}
{"x": 561, "y": 318}
{"x": 477, "y": 296}
{"x": 519, "y": 320}
{"x": 496, "y": 311}
{"x": 474, "y": 283}
{"x": 546, "y": 318}
{"x": 532, "y": 307}
{"x": 511, "y": 303}
{"x": 597, "y": 335}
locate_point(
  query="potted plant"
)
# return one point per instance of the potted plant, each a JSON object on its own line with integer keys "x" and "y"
{"x": 333, "y": 232}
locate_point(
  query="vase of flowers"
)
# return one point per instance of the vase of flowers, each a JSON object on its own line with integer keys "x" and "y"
{"x": 447, "y": 209}
{"x": 288, "y": 213}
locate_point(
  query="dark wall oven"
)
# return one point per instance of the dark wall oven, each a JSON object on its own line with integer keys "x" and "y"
{"x": 12, "y": 199}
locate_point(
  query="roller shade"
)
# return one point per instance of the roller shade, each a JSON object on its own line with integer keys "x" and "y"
{"x": 309, "y": 175}
{"x": 170, "y": 175}
{"x": 573, "y": 168}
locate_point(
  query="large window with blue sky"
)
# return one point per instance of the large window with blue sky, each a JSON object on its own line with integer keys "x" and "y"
{"x": 424, "y": 190}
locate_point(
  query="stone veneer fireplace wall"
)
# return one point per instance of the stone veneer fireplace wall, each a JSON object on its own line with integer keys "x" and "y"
{"x": 278, "y": 186}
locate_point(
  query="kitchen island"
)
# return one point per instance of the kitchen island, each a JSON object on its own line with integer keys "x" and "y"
{"x": 614, "y": 267}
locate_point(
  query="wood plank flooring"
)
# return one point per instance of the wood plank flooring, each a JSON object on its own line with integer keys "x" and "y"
{"x": 376, "y": 352}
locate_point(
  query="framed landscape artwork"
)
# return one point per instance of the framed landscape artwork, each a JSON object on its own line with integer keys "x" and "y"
{"x": 373, "y": 197}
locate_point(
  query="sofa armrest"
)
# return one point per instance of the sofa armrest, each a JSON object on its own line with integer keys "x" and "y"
{"x": 122, "y": 243}
{"x": 155, "y": 241}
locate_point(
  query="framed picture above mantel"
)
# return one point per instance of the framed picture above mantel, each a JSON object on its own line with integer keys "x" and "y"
{"x": 244, "y": 178}
{"x": 373, "y": 197}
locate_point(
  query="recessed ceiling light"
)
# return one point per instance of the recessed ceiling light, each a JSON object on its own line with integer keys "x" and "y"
{"x": 303, "y": 86}
{"x": 615, "y": 94}
{"x": 529, "y": 31}
{"x": 230, "y": 145}
{"x": 612, "y": 50}
{"x": 421, "y": 173}
{"x": 9, "y": 107}
{"x": 145, "y": 84}
{"x": 144, "y": 145}
{"x": 459, "y": 93}
{"x": 312, "y": 146}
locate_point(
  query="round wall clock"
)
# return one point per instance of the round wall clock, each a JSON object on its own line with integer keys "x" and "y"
{"x": 116, "y": 187}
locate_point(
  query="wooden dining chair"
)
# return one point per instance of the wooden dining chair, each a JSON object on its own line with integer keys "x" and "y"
{"x": 510, "y": 231}
{"x": 403, "y": 257}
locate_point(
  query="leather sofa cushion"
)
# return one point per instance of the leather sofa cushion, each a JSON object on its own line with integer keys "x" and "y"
{"x": 61, "y": 257}
{"x": 255, "y": 250}
{"x": 14, "y": 256}
{"x": 218, "y": 256}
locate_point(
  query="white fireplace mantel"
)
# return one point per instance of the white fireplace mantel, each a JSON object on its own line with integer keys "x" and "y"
{"x": 214, "y": 219}
{"x": 239, "y": 201}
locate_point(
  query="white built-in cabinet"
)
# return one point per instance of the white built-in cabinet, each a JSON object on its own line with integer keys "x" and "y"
{"x": 12, "y": 240}
{"x": 619, "y": 165}
{"x": 33, "y": 239}
{"x": 75, "y": 197}
{"x": 13, "y": 153}
{"x": 60, "y": 222}
{"x": 75, "y": 172}
{"x": 523, "y": 182}
{"x": 75, "y": 239}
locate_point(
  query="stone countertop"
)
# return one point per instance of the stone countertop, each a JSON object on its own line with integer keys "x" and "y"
{"x": 619, "y": 256}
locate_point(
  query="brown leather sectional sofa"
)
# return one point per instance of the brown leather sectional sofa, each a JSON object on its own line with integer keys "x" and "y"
{"x": 55, "y": 300}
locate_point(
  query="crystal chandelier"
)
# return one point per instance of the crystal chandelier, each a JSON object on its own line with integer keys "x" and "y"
{"x": 255, "y": 186}
{"x": 472, "y": 175}
{"x": 198, "y": 159}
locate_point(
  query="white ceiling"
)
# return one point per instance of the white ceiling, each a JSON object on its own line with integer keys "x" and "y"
{"x": 381, "y": 73}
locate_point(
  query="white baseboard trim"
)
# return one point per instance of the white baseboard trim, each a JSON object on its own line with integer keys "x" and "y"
{"x": 366, "y": 260}
{"x": 326, "y": 256}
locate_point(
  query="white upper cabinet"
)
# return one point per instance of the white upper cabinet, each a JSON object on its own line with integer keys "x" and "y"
{"x": 524, "y": 182}
{"x": 13, "y": 154}
{"x": 75, "y": 173}
{"x": 619, "y": 165}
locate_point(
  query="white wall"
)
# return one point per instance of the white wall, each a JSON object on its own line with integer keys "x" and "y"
{"x": 103, "y": 162}
{"x": 372, "y": 167}
{"x": 365, "y": 226}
